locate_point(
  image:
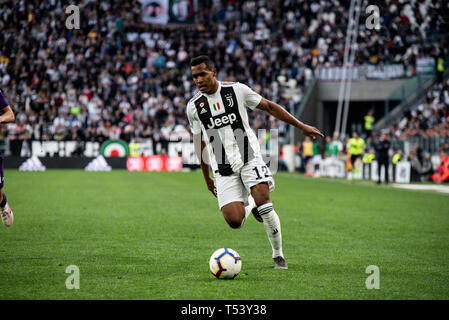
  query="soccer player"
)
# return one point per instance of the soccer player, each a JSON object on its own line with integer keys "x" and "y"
{"x": 217, "y": 113}
{"x": 6, "y": 116}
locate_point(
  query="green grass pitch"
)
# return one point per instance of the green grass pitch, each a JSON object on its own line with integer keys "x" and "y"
{"x": 150, "y": 235}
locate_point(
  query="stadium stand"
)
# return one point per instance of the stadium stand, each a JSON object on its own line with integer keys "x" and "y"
{"x": 430, "y": 120}
{"x": 117, "y": 77}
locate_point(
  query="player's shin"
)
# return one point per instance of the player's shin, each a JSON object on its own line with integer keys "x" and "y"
{"x": 248, "y": 208}
{"x": 272, "y": 227}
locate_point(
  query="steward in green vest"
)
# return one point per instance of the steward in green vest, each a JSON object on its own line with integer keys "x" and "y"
{"x": 440, "y": 68}
{"x": 367, "y": 160}
{"x": 134, "y": 149}
{"x": 369, "y": 124}
{"x": 396, "y": 158}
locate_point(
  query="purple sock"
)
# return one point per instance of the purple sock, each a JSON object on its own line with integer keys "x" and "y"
{"x": 3, "y": 203}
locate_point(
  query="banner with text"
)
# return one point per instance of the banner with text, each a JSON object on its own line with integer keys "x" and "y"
{"x": 361, "y": 72}
{"x": 154, "y": 163}
{"x": 168, "y": 11}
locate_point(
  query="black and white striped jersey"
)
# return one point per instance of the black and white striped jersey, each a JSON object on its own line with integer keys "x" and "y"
{"x": 223, "y": 120}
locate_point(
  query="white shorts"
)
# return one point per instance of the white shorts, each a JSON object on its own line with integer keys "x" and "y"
{"x": 237, "y": 187}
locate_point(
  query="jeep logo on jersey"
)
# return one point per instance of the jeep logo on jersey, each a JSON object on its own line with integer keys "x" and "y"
{"x": 222, "y": 121}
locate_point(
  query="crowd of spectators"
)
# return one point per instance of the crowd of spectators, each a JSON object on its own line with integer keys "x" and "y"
{"x": 430, "y": 119}
{"x": 117, "y": 77}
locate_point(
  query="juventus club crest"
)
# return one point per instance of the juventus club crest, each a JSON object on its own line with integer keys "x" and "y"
{"x": 229, "y": 100}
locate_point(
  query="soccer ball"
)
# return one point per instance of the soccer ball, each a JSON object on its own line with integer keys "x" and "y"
{"x": 225, "y": 263}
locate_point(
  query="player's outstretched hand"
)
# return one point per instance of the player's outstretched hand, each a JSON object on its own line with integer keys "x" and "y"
{"x": 211, "y": 186}
{"x": 311, "y": 132}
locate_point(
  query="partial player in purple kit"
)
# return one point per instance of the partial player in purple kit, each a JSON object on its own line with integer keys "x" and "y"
{"x": 6, "y": 116}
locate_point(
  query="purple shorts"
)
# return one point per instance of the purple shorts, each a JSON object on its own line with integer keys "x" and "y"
{"x": 1, "y": 171}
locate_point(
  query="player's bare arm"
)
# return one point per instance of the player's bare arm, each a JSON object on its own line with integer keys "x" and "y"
{"x": 202, "y": 157}
{"x": 280, "y": 113}
{"x": 7, "y": 115}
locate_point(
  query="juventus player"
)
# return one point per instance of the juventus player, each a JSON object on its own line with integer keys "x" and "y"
{"x": 217, "y": 114}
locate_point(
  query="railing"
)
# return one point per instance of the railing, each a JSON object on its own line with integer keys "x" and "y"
{"x": 310, "y": 84}
{"x": 429, "y": 145}
{"x": 309, "y": 87}
{"x": 411, "y": 92}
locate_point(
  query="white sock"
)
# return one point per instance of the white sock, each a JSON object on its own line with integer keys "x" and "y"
{"x": 248, "y": 208}
{"x": 272, "y": 227}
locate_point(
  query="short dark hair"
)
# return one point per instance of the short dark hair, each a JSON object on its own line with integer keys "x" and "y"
{"x": 202, "y": 59}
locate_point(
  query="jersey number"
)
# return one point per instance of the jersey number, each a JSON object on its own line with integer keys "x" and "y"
{"x": 264, "y": 172}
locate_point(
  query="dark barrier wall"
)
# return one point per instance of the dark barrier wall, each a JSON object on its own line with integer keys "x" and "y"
{"x": 13, "y": 162}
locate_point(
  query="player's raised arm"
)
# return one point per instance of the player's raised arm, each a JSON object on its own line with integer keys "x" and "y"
{"x": 200, "y": 146}
{"x": 7, "y": 115}
{"x": 280, "y": 113}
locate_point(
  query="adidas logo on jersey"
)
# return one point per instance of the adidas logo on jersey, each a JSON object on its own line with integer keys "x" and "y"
{"x": 222, "y": 121}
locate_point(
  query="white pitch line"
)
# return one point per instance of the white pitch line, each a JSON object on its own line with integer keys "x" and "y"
{"x": 439, "y": 188}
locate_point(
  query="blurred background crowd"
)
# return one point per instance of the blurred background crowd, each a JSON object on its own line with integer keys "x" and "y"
{"x": 430, "y": 120}
{"x": 118, "y": 77}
